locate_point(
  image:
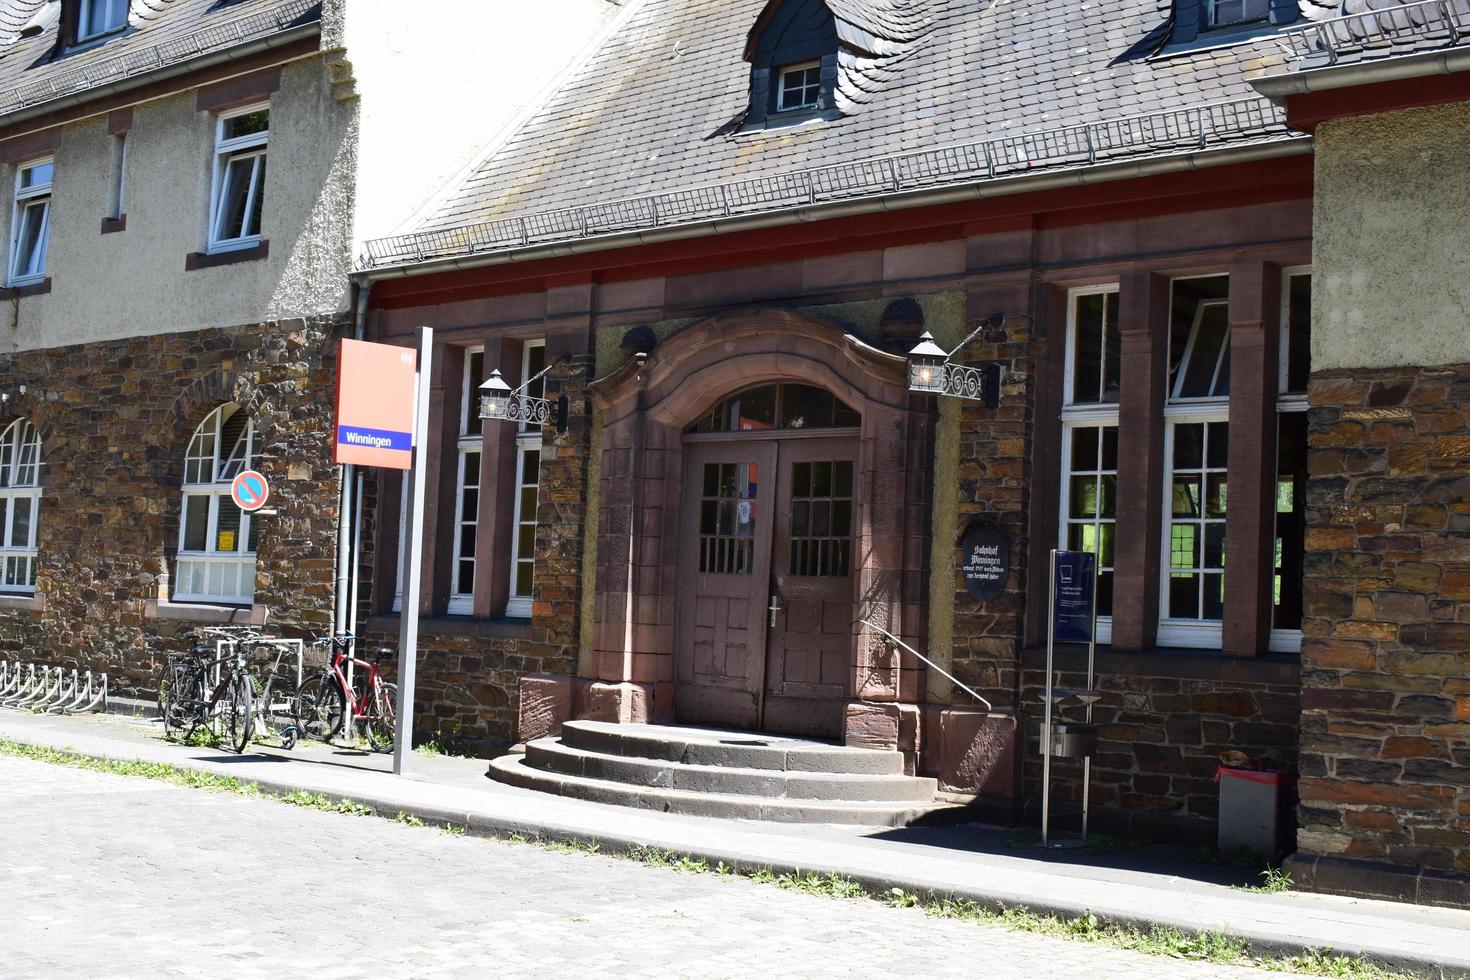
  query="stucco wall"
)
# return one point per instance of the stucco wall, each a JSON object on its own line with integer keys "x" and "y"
{"x": 437, "y": 89}
{"x": 1391, "y": 229}
{"x": 133, "y": 282}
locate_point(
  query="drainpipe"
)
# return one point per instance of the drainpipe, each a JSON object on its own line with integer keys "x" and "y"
{"x": 346, "y": 554}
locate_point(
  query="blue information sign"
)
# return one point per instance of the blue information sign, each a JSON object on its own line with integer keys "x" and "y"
{"x": 1076, "y": 579}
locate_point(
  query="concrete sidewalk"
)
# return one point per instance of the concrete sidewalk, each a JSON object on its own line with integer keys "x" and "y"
{"x": 983, "y": 864}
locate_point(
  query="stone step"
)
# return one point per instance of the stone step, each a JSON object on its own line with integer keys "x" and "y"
{"x": 515, "y": 770}
{"x": 550, "y": 755}
{"x": 713, "y": 747}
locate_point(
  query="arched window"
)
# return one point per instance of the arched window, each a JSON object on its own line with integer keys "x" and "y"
{"x": 216, "y": 561}
{"x": 778, "y": 406}
{"x": 20, "y": 505}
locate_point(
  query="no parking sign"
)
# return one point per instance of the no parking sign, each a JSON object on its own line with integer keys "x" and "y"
{"x": 250, "y": 491}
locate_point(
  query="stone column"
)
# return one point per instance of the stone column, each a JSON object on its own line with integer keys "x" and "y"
{"x": 1143, "y": 321}
{"x": 1250, "y": 525}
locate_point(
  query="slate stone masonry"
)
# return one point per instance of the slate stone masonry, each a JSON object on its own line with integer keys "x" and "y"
{"x": 115, "y": 420}
{"x": 1161, "y": 732}
{"x": 1385, "y": 741}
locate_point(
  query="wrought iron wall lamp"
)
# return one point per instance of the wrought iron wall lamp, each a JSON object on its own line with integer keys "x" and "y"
{"x": 932, "y": 373}
{"x": 498, "y": 401}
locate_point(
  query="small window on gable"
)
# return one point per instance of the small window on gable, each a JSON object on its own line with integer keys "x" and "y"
{"x": 1223, "y": 13}
{"x": 30, "y": 223}
{"x": 239, "y": 178}
{"x": 98, "y": 17}
{"x": 799, "y": 86}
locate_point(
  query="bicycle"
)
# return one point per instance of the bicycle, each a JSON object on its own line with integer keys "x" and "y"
{"x": 324, "y": 699}
{"x": 275, "y": 695}
{"x": 185, "y": 697}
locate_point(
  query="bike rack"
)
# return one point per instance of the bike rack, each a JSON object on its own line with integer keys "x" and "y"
{"x": 51, "y": 690}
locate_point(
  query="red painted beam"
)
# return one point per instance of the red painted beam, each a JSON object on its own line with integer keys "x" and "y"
{"x": 1305, "y": 112}
{"x": 1288, "y": 178}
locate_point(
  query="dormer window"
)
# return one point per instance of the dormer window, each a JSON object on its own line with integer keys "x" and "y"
{"x": 1224, "y": 13}
{"x": 800, "y": 86}
{"x": 96, "y": 18}
{"x": 824, "y": 59}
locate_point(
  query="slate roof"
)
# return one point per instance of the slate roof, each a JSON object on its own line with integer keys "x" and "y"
{"x": 34, "y": 69}
{"x": 1374, "y": 30}
{"x": 647, "y": 117}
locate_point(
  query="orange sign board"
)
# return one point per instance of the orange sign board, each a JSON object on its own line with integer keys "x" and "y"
{"x": 375, "y": 399}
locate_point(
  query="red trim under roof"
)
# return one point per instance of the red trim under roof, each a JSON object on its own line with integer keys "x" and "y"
{"x": 1306, "y": 111}
{"x": 1283, "y": 179}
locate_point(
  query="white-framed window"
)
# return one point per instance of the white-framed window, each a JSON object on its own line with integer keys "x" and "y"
{"x": 1289, "y": 542}
{"x": 20, "y": 505}
{"x": 237, "y": 196}
{"x": 1223, "y": 13}
{"x": 467, "y": 486}
{"x": 1094, "y": 346}
{"x": 216, "y": 559}
{"x": 1196, "y": 451}
{"x": 1090, "y": 437}
{"x": 98, "y": 17}
{"x": 30, "y": 223}
{"x": 527, "y": 491}
{"x": 798, "y": 86}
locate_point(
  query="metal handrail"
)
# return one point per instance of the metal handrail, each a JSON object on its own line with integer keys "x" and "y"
{"x": 1187, "y": 128}
{"x": 1369, "y": 30}
{"x": 215, "y": 37}
{"x": 952, "y": 678}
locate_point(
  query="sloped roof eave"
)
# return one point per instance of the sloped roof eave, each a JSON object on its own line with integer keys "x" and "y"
{"x": 1292, "y": 145}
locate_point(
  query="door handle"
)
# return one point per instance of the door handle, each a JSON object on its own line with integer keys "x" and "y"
{"x": 774, "y": 608}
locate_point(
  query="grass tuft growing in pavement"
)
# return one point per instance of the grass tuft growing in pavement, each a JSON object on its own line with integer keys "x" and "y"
{"x": 321, "y": 801}
{"x": 1155, "y": 940}
{"x": 1275, "y": 881}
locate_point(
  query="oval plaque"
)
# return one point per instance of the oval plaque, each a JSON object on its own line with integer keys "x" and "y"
{"x": 985, "y": 559}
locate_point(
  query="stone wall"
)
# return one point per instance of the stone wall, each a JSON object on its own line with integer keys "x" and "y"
{"x": 1161, "y": 732}
{"x": 994, "y": 484}
{"x": 1385, "y": 748}
{"x": 115, "y": 419}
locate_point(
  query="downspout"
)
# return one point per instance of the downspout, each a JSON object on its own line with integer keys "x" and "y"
{"x": 346, "y": 558}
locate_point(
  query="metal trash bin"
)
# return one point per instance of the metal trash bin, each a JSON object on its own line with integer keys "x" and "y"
{"x": 1255, "y": 812}
{"x": 1073, "y": 740}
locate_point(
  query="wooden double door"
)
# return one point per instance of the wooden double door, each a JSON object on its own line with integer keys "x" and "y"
{"x": 766, "y": 583}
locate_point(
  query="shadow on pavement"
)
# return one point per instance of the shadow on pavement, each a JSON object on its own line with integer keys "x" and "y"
{"x": 1102, "y": 853}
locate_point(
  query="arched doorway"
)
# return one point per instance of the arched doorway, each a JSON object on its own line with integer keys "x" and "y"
{"x": 766, "y": 561}
{"x": 774, "y": 416}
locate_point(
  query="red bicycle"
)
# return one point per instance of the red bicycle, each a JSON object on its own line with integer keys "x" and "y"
{"x": 324, "y": 699}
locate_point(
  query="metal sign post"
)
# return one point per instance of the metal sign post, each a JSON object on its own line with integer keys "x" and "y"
{"x": 408, "y": 624}
{"x": 1071, "y": 617}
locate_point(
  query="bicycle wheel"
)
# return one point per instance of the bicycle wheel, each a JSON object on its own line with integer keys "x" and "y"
{"x": 167, "y": 702}
{"x": 382, "y": 720}
{"x": 239, "y": 713}
{"x": 320, "y": 707}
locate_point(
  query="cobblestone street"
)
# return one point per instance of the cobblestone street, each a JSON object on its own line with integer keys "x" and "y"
{"x": 104, "y": 875}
